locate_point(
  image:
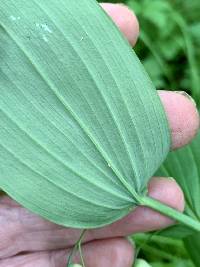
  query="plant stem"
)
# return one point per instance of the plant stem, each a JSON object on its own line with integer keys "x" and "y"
{"x": 81, "y": 254}
{"x": 170, "y": 212}
{"x": 77, "y": 245}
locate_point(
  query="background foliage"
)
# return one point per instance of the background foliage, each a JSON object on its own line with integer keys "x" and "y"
{"x": 169, "y": 48}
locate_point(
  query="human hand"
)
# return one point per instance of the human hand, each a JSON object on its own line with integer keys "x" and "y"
{"x": 27, "y": 240}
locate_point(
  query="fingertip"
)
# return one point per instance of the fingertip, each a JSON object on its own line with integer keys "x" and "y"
{"x": 125, "y": 19}
{"x": 182, "y": 115}
{"x": 167, "y": 191}
{"x": 144, "y": 219}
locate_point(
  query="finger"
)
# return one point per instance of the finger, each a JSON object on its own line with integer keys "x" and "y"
{"x": 116, "y": 252}
{"x": 143, "y": 219}
{"x": 108, "y": 253}
{"x": 182, "y": 115}
{"x": 181, "y": 111}
{"x": 125, "y": 19}
{"x": 21, "y": 230}
{"x": 34, "y": 233}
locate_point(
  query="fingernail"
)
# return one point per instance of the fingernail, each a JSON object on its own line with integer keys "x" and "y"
{"x": 186, "y": 95}
{"x": 190, "y": 98}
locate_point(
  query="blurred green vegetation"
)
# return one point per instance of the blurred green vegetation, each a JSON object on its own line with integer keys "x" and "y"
{"x": 169, "y": 42}
{"x": 162, "y": 251}
{"x": 169, "y": 49}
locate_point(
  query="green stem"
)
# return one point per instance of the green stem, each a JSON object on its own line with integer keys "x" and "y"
{"x": 170, "y": 212}
{"x": 77, "y": 245}
{"x": 81, "y": 254}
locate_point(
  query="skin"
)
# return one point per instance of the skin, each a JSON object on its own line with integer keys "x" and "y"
{"x": 27, "y": 240}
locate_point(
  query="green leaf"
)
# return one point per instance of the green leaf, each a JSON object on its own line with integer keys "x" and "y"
{"x": 194, "y": 30}
{"x": 192, "y": 243}
{"x": 184, "y": 166}
{"x": 176, "y": 263}
{"x": 162, "y": 251}
{"x": 82, "y": 127}
{"x": 178, "y": 231}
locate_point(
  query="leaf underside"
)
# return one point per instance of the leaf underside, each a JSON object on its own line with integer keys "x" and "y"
{"x": 82, "y": 127}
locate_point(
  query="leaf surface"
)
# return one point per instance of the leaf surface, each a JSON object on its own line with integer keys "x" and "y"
{"x": 82, "y": 127}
